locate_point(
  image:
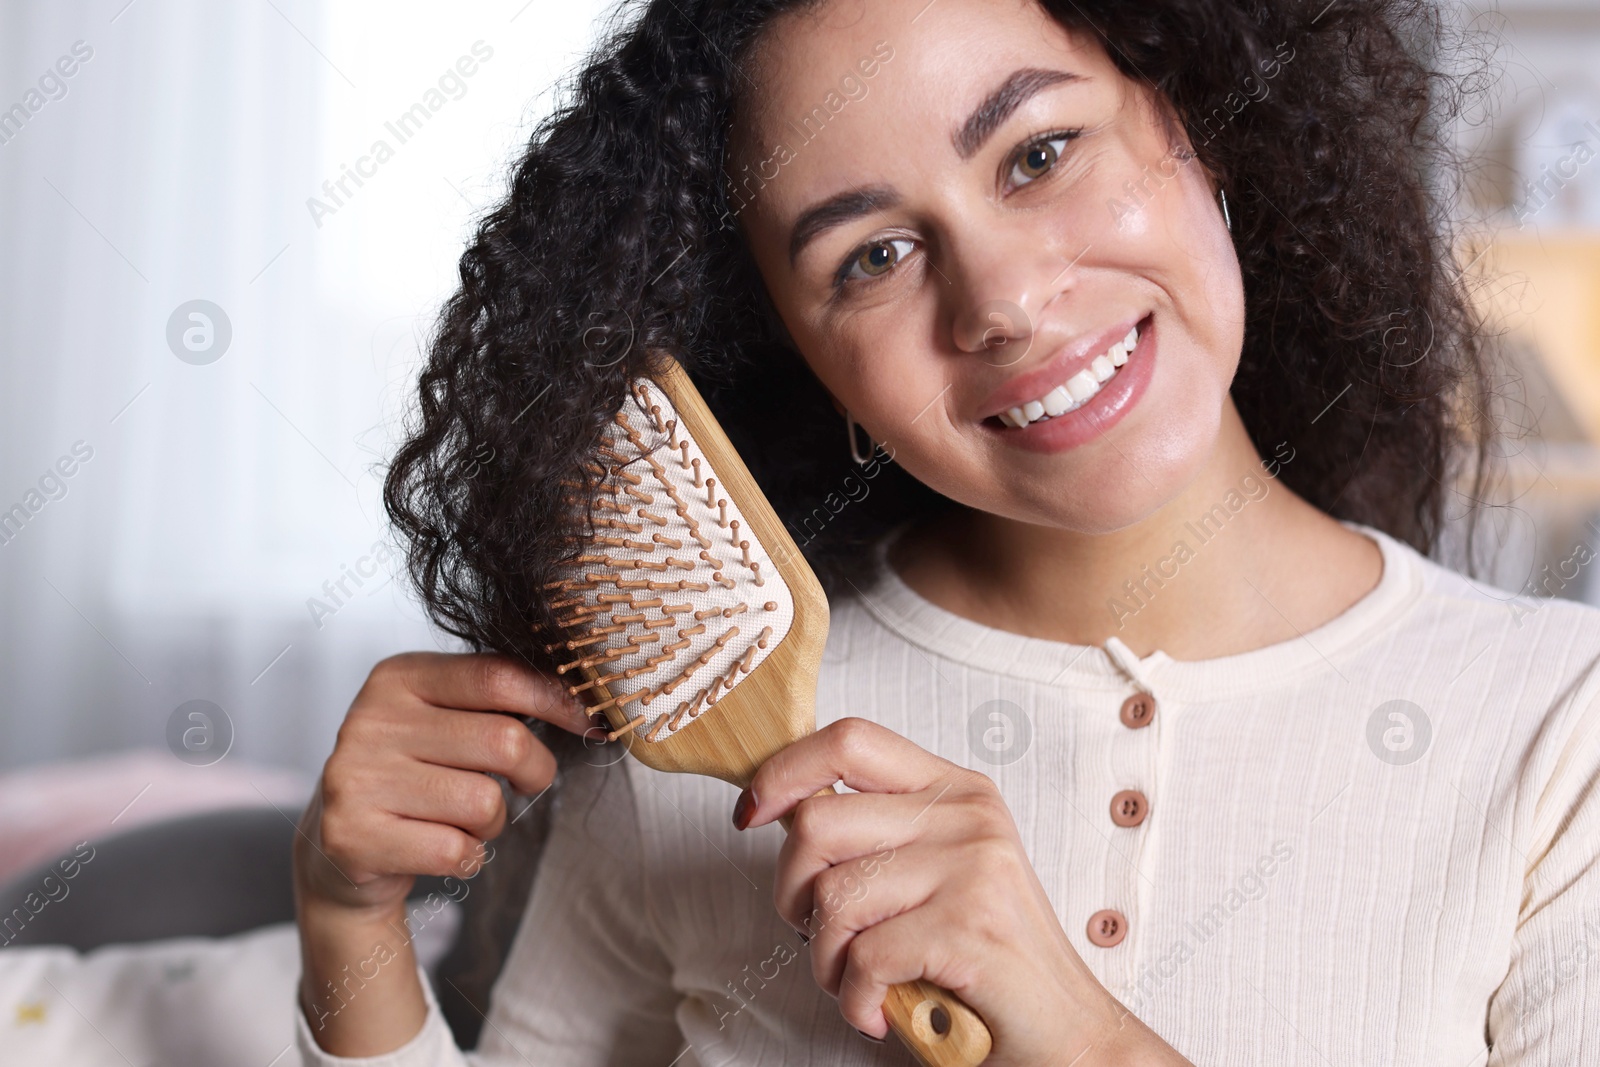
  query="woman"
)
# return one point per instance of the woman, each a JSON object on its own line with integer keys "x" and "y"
{"x": 1164, "y": 741}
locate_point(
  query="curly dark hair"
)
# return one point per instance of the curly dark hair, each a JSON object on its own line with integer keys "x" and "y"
{"x": 618, "y": 236}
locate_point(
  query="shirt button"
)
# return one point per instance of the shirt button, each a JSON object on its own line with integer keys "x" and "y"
{"x": 1107, "y": 928}
{"x": 1138, "y": 710}
{"x": 1129, "y": 807}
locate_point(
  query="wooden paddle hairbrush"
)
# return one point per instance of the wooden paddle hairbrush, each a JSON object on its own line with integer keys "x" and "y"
{"x": 698, "y": 628}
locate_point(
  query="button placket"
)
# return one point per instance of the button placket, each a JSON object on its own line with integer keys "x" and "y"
{"x": 1128, "y": 809}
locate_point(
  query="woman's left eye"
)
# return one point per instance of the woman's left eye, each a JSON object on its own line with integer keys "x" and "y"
{"x": 1039, "y": 157}
{"x": 874, "y": 260}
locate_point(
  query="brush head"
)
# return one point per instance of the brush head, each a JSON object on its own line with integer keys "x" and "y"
{"x": 696, "y": 626}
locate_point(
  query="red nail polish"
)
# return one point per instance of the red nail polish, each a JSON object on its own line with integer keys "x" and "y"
{"x": 744, "y": 809}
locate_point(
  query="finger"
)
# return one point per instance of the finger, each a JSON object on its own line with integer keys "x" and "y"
{"x": 467, "y": 800}
{"x": 482, "y": 741}
{"x": 483, "y": 681}
{"x": 385, "y": 844}
{"x": 865, "y": 756}
{"x": 832, "y": 830}
{"x": 856, "y": 896}
{"x": 900, "y": 949}
{"x": 434, "y": 848}
{"x": 403, "y": 788}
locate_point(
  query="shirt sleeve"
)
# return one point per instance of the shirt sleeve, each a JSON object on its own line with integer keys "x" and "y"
{"x": 586, "y": 983}
{"x": 1547, "y": 1011}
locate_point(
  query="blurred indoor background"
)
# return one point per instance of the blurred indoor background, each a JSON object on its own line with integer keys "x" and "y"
{"x": 209, "y": 329}
{"x": 221, "y": 537}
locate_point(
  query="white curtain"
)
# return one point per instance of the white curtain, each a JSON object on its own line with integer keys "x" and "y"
{"x": 209, "y": 527}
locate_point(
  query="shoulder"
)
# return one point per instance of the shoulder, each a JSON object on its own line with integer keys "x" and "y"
{"x": 1533, "y": 623}
{"x": 1524, "y": 665}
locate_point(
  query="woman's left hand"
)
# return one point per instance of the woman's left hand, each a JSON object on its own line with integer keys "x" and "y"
{"x": 921, "y": 874}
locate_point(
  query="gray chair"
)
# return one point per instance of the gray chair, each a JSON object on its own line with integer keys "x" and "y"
{"x": 228, "y": 872}
{"x": 207, "y": 875}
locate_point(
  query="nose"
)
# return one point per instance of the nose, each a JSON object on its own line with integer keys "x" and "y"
{"x": 1000, "y": 329}
{"x": 1001, "y": 281}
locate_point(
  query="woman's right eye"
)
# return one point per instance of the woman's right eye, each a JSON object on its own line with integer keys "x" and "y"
{"x": 874, "y": 260}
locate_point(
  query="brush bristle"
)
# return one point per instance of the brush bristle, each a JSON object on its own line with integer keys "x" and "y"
{"x": 675, "y": 599}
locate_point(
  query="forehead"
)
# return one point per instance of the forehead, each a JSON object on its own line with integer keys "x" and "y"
{"x": 846, "y": 92}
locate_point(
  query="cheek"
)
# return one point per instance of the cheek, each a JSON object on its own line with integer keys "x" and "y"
{"x": 1182, "y": 246}
{"x": 877, "y": 363}
{"x": 900, "y": 400}
{"x": 899, "y": 397}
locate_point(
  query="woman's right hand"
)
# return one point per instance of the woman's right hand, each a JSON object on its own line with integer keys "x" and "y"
{"x": 407, "y": 790}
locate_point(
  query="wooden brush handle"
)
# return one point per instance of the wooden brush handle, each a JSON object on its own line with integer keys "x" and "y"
{"x": 934, "y": 1023}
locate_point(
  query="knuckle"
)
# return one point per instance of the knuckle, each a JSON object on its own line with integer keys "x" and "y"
{"x": 808, "y": 819}
{"x": 989, "y": 860}
{"x": 851, "y": 735}
{"x": 341, "y": 786}
{"x": 986, "y": 920}
{"x": 349, "y": 735}
{"x": 979, "y": 782}
{"x": 481, "y": 801}
{"x": 367, "y": 726}
{"x": 508, "y": 741}
{"x": 448, "y": 853}
{"x": 984, "y": 806}
{"x": 982, "y": 798}
{"x": 333, "y": 790}
{"x": 392, "y": 670}
{"x": 336, "y": 840}
{"x": 836, "y": 888}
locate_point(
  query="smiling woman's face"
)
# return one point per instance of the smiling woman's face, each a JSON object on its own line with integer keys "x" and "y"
{"x": 999, "y": 207}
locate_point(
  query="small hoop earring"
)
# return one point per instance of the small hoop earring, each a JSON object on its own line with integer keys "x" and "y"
{"x": 1227, "y": 219}
{"x": 850, "y": 431}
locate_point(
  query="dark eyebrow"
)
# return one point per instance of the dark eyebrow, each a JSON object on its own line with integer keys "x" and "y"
{"x": 835, "y": 211}
{"x": 998, "y": 106}
{"x": 984, "y": 120}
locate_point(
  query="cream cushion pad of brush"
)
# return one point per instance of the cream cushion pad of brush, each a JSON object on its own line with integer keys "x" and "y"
{"x": 690, "y": 597}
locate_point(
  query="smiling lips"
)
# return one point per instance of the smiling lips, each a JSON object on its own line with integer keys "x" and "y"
{"x": 1076, "y": 390}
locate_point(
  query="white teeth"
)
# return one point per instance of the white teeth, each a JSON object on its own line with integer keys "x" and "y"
{"x": 1075, "y": 391}
{"x": 1082, "y": 386}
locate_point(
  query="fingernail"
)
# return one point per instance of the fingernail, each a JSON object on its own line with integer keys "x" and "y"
{"x": 869, "y": 1037}
{"x": 744, "y": 810}
{"x": 801, "y": 934}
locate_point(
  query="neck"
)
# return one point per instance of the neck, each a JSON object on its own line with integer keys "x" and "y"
{"x": 1234, "y": 562}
